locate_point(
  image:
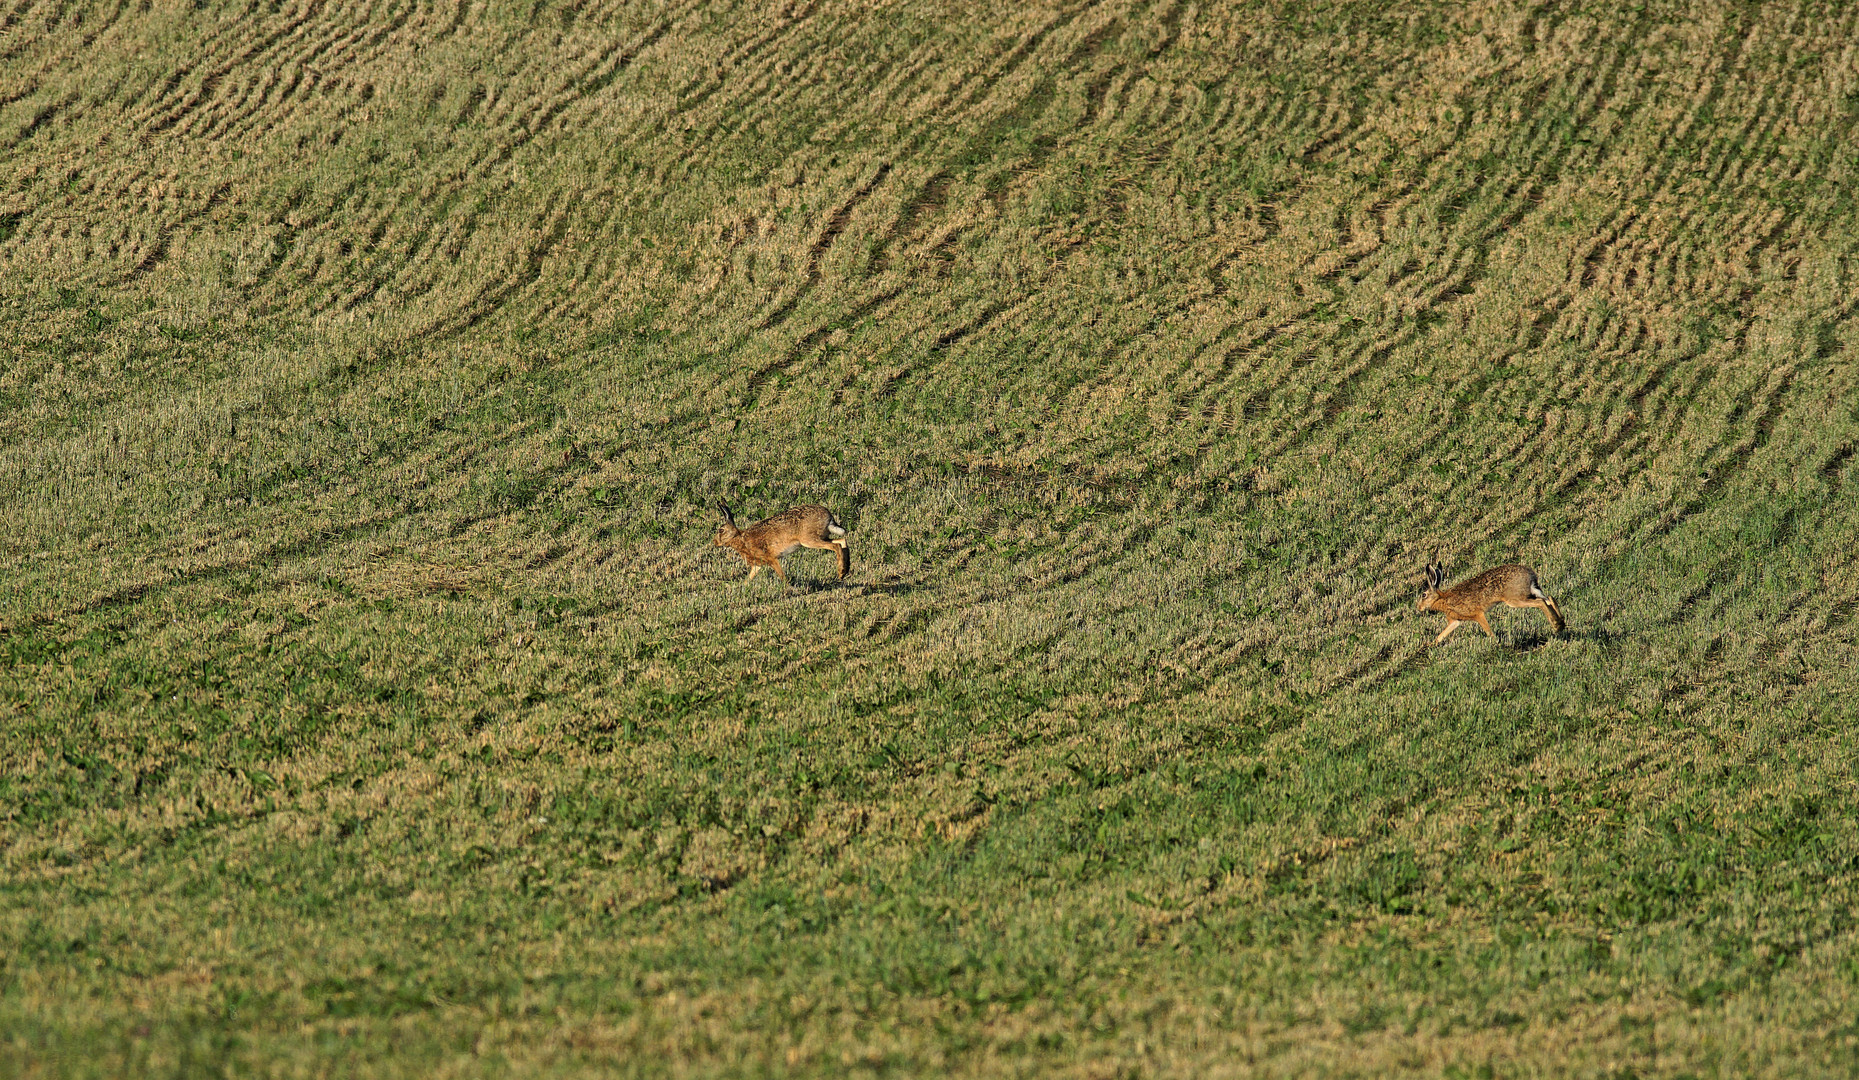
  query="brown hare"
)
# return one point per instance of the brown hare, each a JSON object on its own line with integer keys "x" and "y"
{"x": 763, "y": 544}
{"x": 1467, "y": 601}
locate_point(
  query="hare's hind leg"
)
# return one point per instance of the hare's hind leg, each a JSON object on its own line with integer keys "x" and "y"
{"x": 1555, "y": 613}
{"x": 1547, "y": 607}
{"x": 837, "y": 546}
{"x": 835, "y": 534}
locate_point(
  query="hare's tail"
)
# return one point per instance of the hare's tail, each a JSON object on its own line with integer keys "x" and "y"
{"x": 833, "y": 528}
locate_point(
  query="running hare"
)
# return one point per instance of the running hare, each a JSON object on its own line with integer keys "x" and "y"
{"x": 764, "y": 544}
{"x": 1467, "y": 601}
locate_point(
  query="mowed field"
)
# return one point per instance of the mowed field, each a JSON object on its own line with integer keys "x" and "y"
{"x": 374, "y": 702}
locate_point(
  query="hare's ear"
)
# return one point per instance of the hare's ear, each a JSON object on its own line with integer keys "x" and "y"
{"x": 1435, "y": 574}
{"x": 727, "y": 516}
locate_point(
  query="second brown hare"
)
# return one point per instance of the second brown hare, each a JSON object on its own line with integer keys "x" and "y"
{"x": 764, "y": 543}
{"x": 1467, "y": 601}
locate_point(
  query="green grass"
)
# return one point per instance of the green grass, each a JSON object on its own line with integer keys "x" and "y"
{"x": 373, "y": 700}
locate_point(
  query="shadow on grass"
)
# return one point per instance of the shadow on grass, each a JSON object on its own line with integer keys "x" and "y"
{"x": 803, "y": 587}
{"x": 1531, "y": 640}
{"x": 890, "y": 588}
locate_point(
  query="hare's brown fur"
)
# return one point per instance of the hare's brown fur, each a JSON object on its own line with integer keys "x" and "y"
{"x": 764, "y": 543}
{"x": 1468, "y": 601}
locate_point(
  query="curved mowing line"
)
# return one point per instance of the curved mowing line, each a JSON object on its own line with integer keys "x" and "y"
{"x": 943, "y": 342}
{"x": 66, "y": 49}
{"x": 40, "y": 118}
{"x": 350, "y": 50}
{"x": 157, "y": 122}
{"x": 714, "y": 80}
{"x": 932, "y": 195}
{"x": 12, "y": 19}
{"x": 816, "y": 252}
{"x": 813, "y": 339}
{"x": 594, "y": 77}
{"x": 494, "y": 294}
{"x": 575, "y": 91}
{"x": 594, "y": 81}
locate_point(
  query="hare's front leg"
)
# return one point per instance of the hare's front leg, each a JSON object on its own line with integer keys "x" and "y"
{"x": 1451, "y": 625}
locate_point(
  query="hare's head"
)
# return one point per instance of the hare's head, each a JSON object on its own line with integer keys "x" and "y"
{"x": 727, "y": 531}
{"x": 1436, "y": 574}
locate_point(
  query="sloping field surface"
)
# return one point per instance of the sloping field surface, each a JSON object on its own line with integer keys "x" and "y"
{"x": 375, "y": 702}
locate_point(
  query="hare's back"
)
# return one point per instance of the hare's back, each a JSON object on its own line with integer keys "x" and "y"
{"x": 807, "y": 520}
{"x": 1511, "y": 580}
